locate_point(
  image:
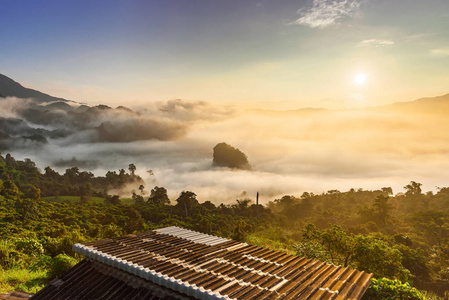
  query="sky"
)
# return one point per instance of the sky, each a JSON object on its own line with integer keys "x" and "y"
{"x": 271, "y": 54}
{"x": 200, "y": 72}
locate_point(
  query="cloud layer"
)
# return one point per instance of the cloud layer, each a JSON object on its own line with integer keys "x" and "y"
{"x": 290, "y": 152}
{"x": 324, "y": 13}
{"x": 376, "y": 43}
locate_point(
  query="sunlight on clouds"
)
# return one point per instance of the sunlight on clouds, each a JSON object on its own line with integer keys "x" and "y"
{"x": 324, "y": 12}
{"x": 290, "y": 151}
{"x": 440, "y": 52}
{"x": 376, "y": 43}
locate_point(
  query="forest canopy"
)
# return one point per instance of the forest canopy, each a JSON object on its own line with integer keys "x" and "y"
{"x": 403, "y": 240}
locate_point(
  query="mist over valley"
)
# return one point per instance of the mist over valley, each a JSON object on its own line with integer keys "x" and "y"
{"x": 289, "y": 152}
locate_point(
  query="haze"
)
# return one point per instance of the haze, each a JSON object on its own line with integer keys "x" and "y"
{"x": 290, "y": 151}
{"x": 197, "y": 73}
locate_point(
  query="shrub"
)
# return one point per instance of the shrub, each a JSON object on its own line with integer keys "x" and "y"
{"x": 385, "y": 288}
{"x": 31, "y": 247}
{"x": 41, "y": 263}
{"x": 59, "y": 264}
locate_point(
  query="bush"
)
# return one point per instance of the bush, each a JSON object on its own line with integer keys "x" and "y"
{"x": 385, "y": 288}
{"x": 59, "y": 264}
{"x": 8, "y": 254}
{"x": 41, "y": 263}
{"x": 30, "y": 247}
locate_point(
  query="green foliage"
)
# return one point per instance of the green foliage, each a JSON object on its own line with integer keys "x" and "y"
{"x": 22, "y": 280}
{"x": 369, "y": 253}
{"x": 432, "y": 225}
{"x": 41, "y": 263}
{"x": 187, "y": 202}
{"x": 9, "y": 257}
{"x": 382, "y": 209}
{"x": 385, "y": 288}
{"x": 239, "y": 232}
{"x": 376, "y": 256}
{"x": 28, "y": 246}
{"x": 159, "y": 196}
{"x": 310, "y": 249}
{"x": 60, "y": 264}
{"x": 26, "y": 208}
{"x": 396, "y": 237}
{"x": 272, "y": 237}
{"x": 10, "y": 189}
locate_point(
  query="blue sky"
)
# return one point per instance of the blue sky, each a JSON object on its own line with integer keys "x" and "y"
{"x": 271, "y": 54}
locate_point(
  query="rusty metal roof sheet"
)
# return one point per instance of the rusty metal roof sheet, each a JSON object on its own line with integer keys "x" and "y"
{"x": 91, "y": 280}
{"x": 202, "y": 267}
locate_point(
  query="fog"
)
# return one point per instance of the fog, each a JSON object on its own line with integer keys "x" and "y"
{"x": 290, "y": 152}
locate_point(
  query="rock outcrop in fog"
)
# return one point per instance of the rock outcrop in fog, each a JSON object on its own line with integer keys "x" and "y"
{"x": 227, "y": 156}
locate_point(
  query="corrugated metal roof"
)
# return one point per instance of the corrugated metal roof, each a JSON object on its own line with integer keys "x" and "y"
{"x": 193, "y": 236}
{"x": 202, "y": 267}
{"x": 92, "y": 280}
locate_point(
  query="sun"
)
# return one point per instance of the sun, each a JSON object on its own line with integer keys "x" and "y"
{"x": 360, "y": 79}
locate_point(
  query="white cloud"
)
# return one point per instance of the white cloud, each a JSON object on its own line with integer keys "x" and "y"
{"x": 376, "y": 43}
{"x": 324, "y": 13}
{"x": 440, "y": 52}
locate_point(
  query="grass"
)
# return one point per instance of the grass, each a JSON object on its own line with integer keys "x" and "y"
{"x": 127, "y": 201}
{"x": 272, "y": 238}
{"x": 432, "y": 296}
{"x": 22, "y": 280}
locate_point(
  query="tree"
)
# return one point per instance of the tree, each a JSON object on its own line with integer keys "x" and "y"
{"x": 32, "y": 192}
{"x": 413, "y": 189}
{"x": 141, "y": 188}
{"x": 132, "y": 169}
{"x": 138, "y": 199}
{"x": 134, "y": 221}
{"x": 368, "y": 253}
{"x": 187, "y": 201}
{"x": 239, "y": 232}
{"x": 114, "y": 200}
{"x": 243, "y": 204}
{"x": 10, "y": 161}
{"x": 433, "y": 225}
{"x": 10, "y": 189}
{"x": 387, "y": 190}
{"x": 382, "y": 209}
{"x": 339, "y": 245}
{"x": 50, "y": 173}
{"x": 159, "y": 196}
{"x": 374, "y": 255}
{"x": 26, "y": 208}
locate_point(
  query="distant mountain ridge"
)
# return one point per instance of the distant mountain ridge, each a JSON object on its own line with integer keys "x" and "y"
{"x": 11, "y": 88}
{"x": 434, "y": 105}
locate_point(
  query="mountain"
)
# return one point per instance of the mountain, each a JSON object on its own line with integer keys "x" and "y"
{"x": 433, "y": 105}
{"x": 10, "y": 88}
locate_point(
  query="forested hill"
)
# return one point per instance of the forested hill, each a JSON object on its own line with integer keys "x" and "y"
{"x": 74, "y": 182}
{"x": 11, "y": 88}
{"x": 403, "y": 240}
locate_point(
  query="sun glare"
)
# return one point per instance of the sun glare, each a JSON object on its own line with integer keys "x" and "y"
{"x": 360, "y": 79}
